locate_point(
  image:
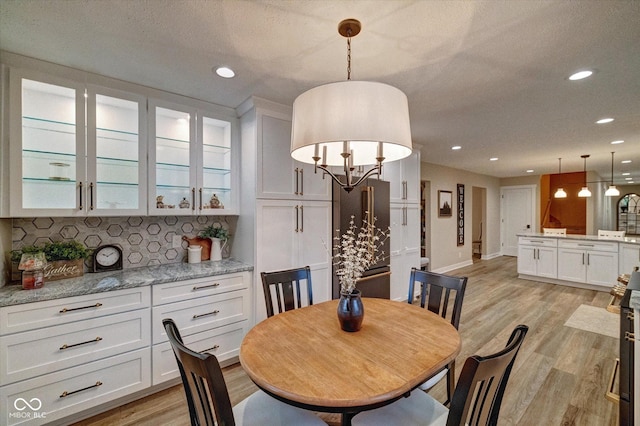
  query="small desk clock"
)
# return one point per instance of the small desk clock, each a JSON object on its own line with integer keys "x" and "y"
{"x": 107, "y": 258}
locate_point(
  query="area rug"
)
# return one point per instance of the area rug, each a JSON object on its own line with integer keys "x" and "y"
{"x": 596, "y": 320}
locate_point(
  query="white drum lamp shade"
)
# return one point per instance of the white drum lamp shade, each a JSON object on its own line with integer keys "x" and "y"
{"x": 372, "y": 117}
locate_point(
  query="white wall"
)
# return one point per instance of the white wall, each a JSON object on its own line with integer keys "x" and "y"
{"x": 445, "y": 253}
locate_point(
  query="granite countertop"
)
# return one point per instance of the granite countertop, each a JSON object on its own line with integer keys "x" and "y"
{"x": 630, "y": 240}
{"x": 90, "y": 283}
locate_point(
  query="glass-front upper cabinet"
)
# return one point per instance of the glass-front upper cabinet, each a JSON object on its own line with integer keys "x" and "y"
{"x": 190, "y": 159}
{"x": 64, "y": 166}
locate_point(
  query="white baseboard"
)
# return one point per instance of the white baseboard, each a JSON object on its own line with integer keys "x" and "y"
{"x": 491, "y": 256}
{"x": 452, "y": 267}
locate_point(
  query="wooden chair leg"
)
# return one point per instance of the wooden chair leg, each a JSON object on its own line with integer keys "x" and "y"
{"x": 451, "y": 382}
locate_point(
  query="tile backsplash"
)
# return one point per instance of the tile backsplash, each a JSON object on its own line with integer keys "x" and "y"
{"x": 145, "y": 240}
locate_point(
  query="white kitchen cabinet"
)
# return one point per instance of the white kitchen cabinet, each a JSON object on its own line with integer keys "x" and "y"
{"x": 279, "y": 175}
{"x": 75, "y": 353}
{"x": 629, "y": 258}
{"x": 404, "y": 178}
{"x": 191, "y": 159}
{"x": 76, "y": 149}
{"x": 294, "y": 234}
{"x": 588, "y": 262}
{"x": 213, "y": 315}
{"x": 538, "y": 257}
{"x": 404, "y": 247}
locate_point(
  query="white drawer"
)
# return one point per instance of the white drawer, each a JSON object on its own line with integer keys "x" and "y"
{"x": 30, "y": 316}
{"x": 538, "y": 242}
{"x": 205, "y": 313}
{"x": 223, "y": 342}
{"x": 191, "y": 289}
{"x": 118, "y": 376}
{"x": 31, "y": 353}
{"x": 589, "y": 245}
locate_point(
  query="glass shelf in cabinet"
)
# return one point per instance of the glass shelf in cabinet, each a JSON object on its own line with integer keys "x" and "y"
{"x": 172, "y": 166}
{"x": 118, "y": 183}
{"x": 173, "y": 186}
{"x": 42, "y": 180}
{"x": 216, "y": 149}
{"x": 217, "y": 170}
{"x": 119, "y": 161}
{"x": 43, "y": 154}
{"x": 216, "y": 189}
{"x": 162, "y": 138}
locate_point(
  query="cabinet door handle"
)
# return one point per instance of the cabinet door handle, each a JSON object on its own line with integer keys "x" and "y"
{"x": 630, "y": 316}
{"x": 65, "y": 393}
{"x": 91, "y": 196}
{"x": 80, "y": 186}
{"x": 213, "y": 348}
{"x": 629, "y": 337}
{"x": 200, "y": 191}
{"x": 296, "y": 207}
{"x": 404, "y": 190}
{"x": 193, "y": 199}
{"x": 297, "y": 181}
{"x": 301, "y": 217}
{"x": 65, "y": 346}
{"x": 301, "y": 181}
{"x": 195, "y": 288}
{"x": 206, "y": 315}
{"x": 63, "y": 310}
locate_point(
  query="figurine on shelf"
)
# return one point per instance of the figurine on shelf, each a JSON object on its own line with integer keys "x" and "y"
{"x": 159, "y": 202}
{"x": 215, "y": 202}
{"x": 184, "y": 204}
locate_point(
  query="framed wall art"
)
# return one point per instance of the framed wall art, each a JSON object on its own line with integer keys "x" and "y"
{"x": 444, "y": 203}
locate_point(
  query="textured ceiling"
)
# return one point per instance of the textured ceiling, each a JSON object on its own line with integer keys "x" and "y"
{"x": 490, "y": 76}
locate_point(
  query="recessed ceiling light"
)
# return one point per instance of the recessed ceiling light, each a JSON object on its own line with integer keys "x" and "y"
{"x": 455, "y": 148}
{"x": 580, "y": 75}
{"x": 616, "y": 142}
{"x": 493, "y": 159}
{"x": 604, "y": 121}
{"x": 628, "y": 178}
{"x": 530, "y": 171}
{"x": 626, "y": 174}
{"x": 625, "y": 161}
{"x": 631, "y": 181}
{"x": 225, "y": 72}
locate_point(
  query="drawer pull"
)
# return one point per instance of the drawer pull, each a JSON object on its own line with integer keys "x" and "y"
{"x": 65, "y": 393}
{"x": 585, "y": 245}
{"x": 63, "y": 310}
{"x": 611, "y": 395}
{"x": 629, "y": 337}
{"x": 65, "y": 346}
{"x": 195, "y": 288}
{"x": 207, "y": 314}
{"x": 210, "y": 349}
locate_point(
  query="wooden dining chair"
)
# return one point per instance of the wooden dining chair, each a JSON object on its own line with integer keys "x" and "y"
{"x": 435, "y": 293}
{"x": 476, "y": 400}
{"x": 208, "y": 397}
{"x": 286, "y": 285}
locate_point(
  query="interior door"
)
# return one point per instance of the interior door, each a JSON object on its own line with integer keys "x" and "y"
{"x": 517, "y": 215}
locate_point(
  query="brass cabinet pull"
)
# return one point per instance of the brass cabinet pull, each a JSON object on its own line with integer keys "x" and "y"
{"x": 205, "y": 315}
{"x": 297, "y": 208}
{"x": 80, "y": 186}
{"x": 629, "y": 337}
{"x": 65, "y": 346}
{"x": 200, "y": 191}
{"x": 585, "y": 245}
{"x": 610, "y": 394}
{"x": 195, "y": 287}
{"x": 301, "y": 182}
{"x": 65, "y": 393}
{"x": 301, "y": 217}
{"x": 297, "y": 181}
{"x": 91, "y": 196}
{"x": 193, "y": 199}
{"x": 64, "y": 310}
{"x": 210, "y": 349}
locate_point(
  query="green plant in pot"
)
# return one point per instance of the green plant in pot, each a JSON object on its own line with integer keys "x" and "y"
{"x": 219, "y": 237}
{"x": 65, "y": 258}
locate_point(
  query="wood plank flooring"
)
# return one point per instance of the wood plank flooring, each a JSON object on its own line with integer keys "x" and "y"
{"x": 560, "y": 376}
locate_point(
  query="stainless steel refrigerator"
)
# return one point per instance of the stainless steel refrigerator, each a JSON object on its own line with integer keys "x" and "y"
{"x": 373, "y": 196}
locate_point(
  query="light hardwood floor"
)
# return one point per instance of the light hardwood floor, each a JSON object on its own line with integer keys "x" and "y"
{"x": 560, "y": 376}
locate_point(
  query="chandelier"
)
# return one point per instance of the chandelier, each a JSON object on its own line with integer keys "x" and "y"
{"x": 352, "y": 124}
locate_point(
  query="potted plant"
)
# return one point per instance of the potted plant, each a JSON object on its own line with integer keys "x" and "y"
{"x": 219, "y": 237}
{"x": 65, "y": 259}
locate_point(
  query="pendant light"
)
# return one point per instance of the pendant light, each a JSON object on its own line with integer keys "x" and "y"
{"x": 612, "y": 191}
{"x": 584, "y": 192}
{"x": 350, "y": 123}
{"x": 560, "y": 193}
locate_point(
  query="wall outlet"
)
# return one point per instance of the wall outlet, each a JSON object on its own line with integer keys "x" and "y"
{"x": 177, "y": 241}
{"x": 459, "y": 255}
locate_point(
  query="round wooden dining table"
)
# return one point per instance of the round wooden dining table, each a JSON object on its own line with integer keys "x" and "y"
{"x": 303, "y": 358}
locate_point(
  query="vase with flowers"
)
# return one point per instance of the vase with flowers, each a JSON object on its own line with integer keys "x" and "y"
{"x": 353, "y": 253}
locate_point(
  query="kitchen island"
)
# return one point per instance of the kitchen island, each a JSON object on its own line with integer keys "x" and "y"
{"x": 584, "y": 261}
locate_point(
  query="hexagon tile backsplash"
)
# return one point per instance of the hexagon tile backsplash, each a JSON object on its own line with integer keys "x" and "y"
{"x": 144, "y": 240}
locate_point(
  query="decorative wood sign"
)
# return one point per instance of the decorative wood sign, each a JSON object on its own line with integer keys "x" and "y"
{"x": 460, "y": 216}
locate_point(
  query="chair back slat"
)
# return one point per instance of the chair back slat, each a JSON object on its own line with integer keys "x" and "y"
{"x": 436, "y": 291}
{"x": 480, "y": 389}
{"x": 284, "y": 287}
{"x": 204, "y": 384}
